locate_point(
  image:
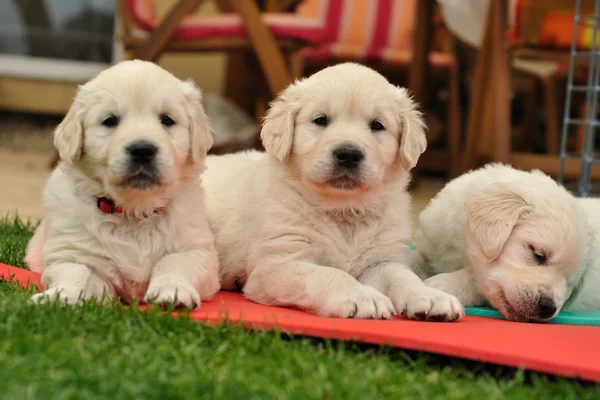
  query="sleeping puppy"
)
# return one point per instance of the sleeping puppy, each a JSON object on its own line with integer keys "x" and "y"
{"x": 124, "y": 213}
{"x": 514, "y": 239}
{"x": 321, "y": 221}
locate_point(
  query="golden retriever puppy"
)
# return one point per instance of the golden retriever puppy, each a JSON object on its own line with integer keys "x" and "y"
{"x": 321, "y": 221}
{"x": 124, "y": 213}
{"x": 513, "y": 238}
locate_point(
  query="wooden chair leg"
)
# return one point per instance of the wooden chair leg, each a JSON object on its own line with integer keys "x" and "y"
{"x": 454, "y": 125}
{"x": 552, "y": 115}
{"x": 454, "y": 129}
{"x": 238, "y": 81}
{"x": 422, "y": 43}
{"x": 478, "y": 98}
{"x": 260, "y": 92}
{"x": 160, "y": 37}
{"x": 296, "y": 64}
{"x": 490, "y": 102}
{"x": 264, "y": 45}
{"x": 501, "y": 87}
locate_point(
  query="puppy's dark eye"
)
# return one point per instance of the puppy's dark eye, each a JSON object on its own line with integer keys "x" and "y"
{"x": 110, "y": 122}
{"x": 166, "y": 120}
{"x": 321, "y": 121}
{"x": 540, "y": 257}
{"x": 377, "y": 126}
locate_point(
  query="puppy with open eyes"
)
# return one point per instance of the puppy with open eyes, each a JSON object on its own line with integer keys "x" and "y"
{"x": 321, "y": 221}
{"x": 512, "y": 238}
{"x": 124, "y": 213}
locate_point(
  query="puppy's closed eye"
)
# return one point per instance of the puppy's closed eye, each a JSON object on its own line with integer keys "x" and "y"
{"x": 540, "y": 257}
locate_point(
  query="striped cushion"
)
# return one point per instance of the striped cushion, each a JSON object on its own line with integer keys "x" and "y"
{"x": 359, "y": 30}
{"x": 369, "y": 30}
{"x": 308, "y": 23}
{"x": 388, "y": 55}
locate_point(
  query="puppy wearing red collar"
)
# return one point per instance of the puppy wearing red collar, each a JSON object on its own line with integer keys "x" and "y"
{"x": 123, "y": 209}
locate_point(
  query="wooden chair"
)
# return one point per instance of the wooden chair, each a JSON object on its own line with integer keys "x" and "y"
{"x": 541, "y": 31}
{"x": 272, "y": 37}
{"x": 393, "y": 37}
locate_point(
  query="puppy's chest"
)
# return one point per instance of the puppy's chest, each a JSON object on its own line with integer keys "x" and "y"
{"x": 133, "y": 251}
{"x": 350, "y": 248}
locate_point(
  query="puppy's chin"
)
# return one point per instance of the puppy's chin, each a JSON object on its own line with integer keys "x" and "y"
{"x": 141, "y": 180}
{"x": 138, "y": 198}
{"x": 339, "y": 181}
{"x": 514, "y": 309}
{"x": 139, "y": 190}
{"x": 341, "y": 187}
{"x": 501, "y": 303}
{"x": 344, "y": 183}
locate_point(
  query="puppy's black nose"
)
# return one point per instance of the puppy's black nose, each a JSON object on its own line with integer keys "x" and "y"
{"x": 142, "y": 152}
{"x": 348, "y": 157}
{"x": 547, "y": 307}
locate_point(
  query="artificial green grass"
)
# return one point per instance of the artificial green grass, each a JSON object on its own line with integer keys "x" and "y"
{"x": 95, "y": 351}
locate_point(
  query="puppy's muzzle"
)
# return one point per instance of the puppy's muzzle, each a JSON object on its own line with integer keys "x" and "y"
{"x": 142, "y": 172}
{"x": 541, "y": 310}
{"x": 142, "y": 153}
{"x": 346, "y": 172}
{"x": 348, "y": 157}
{"x": 546, "y": 307}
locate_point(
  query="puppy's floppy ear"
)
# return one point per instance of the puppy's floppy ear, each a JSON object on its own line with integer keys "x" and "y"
{"x": 201, "y": 138}
{"x": 68, "y": 135}
{"x": 277, "y": 132}
{"x": 492, "y": 214}
{"x": 413, "y": 141}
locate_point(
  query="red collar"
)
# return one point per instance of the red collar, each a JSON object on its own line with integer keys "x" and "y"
{"x": 108, "y": 206}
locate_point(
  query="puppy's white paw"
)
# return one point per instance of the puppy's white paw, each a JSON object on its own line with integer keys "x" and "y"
{"x": 429, "y": 305}
{"x": 458, "y": 284}
{"x": 51, "y": 294}
{"x": 361, "y": 302}
{"x": 181, "y": 294}
{"x": 445, "y": 283}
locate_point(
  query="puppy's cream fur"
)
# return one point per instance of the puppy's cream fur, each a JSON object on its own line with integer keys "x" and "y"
{"x": 160, "y": 248}
{"x": 295, "y": 230}
{"x": 511, "y": 237}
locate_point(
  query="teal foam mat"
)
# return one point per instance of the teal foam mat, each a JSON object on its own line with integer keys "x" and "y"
{"x": 589, "y": 318}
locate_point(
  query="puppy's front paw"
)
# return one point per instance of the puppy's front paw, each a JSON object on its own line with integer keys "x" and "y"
{"x": 443, "y": 282}
{"x": 363, "y": 302}
{"x": 181, "y": 294}
{"x": 429, "y": 305}
{"x": 459, "y": 284}
{"x": 51, "y": 294}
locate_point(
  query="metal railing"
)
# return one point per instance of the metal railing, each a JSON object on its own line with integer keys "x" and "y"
{"x": 591, "y": 88}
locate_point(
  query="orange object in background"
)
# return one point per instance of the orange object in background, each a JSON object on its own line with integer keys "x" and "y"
{"x": 549, "y": 24}
{"x": 556, "y": 31}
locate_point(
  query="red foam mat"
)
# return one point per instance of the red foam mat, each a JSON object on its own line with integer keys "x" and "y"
{"x": 566, "y": 350}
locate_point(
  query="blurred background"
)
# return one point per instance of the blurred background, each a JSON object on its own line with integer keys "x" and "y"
{"x": 490, "y": 75}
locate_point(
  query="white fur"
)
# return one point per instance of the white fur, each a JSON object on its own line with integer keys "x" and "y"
{"x": 478, "y": 235}
{"x": 164, "y": 256}
{"x": 291, "y": 237}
